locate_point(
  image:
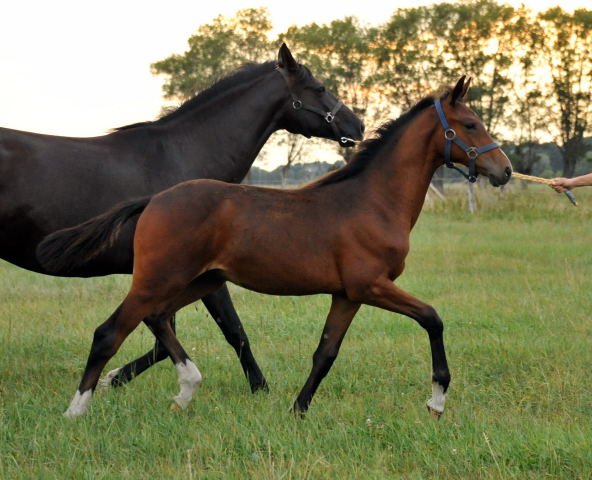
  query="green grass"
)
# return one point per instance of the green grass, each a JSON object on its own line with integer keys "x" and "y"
{"x": 512, "y": 283}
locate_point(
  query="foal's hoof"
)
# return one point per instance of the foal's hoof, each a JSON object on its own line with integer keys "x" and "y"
{"x": 106, "y": 382}
{"x": 175, "y": 407}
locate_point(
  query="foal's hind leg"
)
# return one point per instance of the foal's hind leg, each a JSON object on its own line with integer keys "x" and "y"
{"x": 189, "y": 375}
{"x": 383, "y": 293}
{"x": 221, "y": 308}
{"x": 125, "y": 374}
{"x": 338, "y": 321}
{"x": 106, "y": 341}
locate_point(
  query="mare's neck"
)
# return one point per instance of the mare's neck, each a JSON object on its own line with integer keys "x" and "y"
{"x": 221, "y": 137}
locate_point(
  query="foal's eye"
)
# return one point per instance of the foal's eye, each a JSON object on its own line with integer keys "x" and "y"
{"x": 321, "y": 89}
{"x": 470, "y": 126}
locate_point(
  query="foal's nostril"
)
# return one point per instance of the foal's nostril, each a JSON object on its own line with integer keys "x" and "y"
{"x": 508, "y": 172}
{"x": 362, "y": 128}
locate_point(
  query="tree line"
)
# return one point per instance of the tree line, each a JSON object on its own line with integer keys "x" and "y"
{"x": 532, "y": 71}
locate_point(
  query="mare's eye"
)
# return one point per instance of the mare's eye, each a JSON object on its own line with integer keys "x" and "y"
{"x": 470, "y": 126}
{"x": 321, "y": 89}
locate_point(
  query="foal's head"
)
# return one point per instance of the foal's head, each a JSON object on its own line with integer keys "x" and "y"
{"x": 463, "y": 138}
{"x": 312, "y": 109}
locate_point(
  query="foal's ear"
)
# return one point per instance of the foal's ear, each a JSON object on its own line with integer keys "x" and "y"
{"x": 286, "y": 60}
{"x": 460, "y": 89}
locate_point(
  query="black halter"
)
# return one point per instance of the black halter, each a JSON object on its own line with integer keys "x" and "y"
{"x": 472, "y": 152}
{"x": 329, "y": 116}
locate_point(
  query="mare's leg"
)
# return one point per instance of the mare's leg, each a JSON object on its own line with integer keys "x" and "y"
{"x": 385, "y": 294}
{"x": 338, "y": 321}
{"x": 221, "y": 308}
{"x": 107, "y": 339}
{"x": 122, "y": 375}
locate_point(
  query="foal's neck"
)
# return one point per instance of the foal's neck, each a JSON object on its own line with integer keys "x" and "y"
{"x": 401, "y": 179}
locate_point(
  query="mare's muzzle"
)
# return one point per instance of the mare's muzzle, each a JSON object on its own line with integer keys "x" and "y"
{"x": 329, "y": 116}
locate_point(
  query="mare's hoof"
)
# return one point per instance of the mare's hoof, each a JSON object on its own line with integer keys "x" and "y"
{"x": 434, "y": 413}
{"x": 260, "y": 387}
{"x": 298, "y": 412}
{"x": 175, "y": 407}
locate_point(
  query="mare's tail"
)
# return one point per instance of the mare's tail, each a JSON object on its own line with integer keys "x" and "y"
{"x": 65, "y": 250}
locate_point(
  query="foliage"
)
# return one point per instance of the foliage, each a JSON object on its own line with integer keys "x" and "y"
{"x": 215, "y": 50}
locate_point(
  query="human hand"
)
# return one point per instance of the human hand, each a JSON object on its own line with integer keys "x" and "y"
{"x": 560, "y": 184}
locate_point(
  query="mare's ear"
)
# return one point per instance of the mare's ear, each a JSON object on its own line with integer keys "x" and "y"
{"x": 286, "y": 60}
{"x": 460, "y": 89}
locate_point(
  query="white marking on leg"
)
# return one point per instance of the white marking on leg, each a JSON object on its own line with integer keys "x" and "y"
{"x": 105, "y": 382}
{"x": 79, "y": 404}
{"x": 189, "y": 379}
{"x": 438, "y": 398}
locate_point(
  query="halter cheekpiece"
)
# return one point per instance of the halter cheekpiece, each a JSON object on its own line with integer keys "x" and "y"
{"x": 472, "y": 152}
{"x": 329, "y": 116}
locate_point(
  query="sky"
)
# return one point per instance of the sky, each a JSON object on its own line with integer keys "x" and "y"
{"x": 78, "y": 68}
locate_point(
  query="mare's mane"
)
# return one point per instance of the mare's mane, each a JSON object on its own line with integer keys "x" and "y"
{"x": 369, "y": 149}
{"x": 246, "y": 73}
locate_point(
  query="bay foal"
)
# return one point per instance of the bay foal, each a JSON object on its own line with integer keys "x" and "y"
{"x": 346, "y": 235}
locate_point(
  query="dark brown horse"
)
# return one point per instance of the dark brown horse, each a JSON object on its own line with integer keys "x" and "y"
{"x": 48, "y": 183}
{"x": 346, "y": 235}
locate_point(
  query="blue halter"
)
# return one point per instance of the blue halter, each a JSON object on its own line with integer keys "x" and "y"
{"x": 472, "y": 152}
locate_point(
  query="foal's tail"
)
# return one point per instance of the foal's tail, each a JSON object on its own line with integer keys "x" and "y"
{"x": 65, "y": 250}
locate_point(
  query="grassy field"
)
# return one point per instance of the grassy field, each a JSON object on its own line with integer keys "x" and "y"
{"x": 513, "y": 284}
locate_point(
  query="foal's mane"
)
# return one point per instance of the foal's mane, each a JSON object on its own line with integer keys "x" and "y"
{"x": 370, "y": 149}
{"x": 244, "y": 74}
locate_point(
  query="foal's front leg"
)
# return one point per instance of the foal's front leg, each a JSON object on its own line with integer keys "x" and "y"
{"x": 338, "y": 321}
{"x": 385, "y": 294}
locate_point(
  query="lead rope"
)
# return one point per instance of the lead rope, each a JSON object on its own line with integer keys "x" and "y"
{"x": 569, "y": 194}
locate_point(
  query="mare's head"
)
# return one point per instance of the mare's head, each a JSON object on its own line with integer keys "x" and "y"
{"x": 462, "y": 138}
{"x": 310, "y": 109}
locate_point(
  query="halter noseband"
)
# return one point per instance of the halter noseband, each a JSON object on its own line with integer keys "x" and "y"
{"x": 329, "y": 116}
{"x": 472, "y": 152}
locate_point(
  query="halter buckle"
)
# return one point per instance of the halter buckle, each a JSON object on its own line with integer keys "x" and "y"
{"x": 329, "y": 117}
{"x": 449, "y": 134}
{"x": 297, "y": 104}
{"x": 472, "y": 153}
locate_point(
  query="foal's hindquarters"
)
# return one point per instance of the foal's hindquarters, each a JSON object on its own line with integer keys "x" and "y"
{"x": 155, "y": 311}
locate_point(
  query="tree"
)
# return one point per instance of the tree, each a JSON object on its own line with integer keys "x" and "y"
{"x": 215, "y": 50}
{"x": 528, "y": 117}
{"x": 404, "y": 52}
{"x": 567, "y": 46}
